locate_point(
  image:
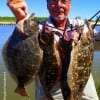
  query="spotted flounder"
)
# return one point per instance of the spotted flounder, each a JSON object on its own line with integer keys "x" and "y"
{"x": 22, "y": 54}
{"x": 80, "y": 62}
{"x": 50, "y": 70}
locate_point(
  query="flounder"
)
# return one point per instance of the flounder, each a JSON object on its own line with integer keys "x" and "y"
{"x": 23, "y": 55}
{"x": 50, "y": 70}
{"x": 80, "y": 63}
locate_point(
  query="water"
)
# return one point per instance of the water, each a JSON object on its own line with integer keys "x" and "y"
{"x": 5, "y": 32}
{"x": 97, "y": 28}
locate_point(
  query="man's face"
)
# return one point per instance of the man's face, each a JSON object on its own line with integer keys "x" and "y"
{"x": 58, "y": 9}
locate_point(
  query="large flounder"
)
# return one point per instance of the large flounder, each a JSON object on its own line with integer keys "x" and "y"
{"x": 22, "y": 54}
{"x": 50, "y": 70}
{"x": 80, "y": 63}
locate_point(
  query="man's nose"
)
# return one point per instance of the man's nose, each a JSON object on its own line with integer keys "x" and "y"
{"x": 59, "y": 3}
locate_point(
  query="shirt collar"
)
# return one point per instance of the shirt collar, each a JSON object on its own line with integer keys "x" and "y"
{"x": 53, "y": 28}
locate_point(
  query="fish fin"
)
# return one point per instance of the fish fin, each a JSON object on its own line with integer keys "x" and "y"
{"x": 21, "y": 91}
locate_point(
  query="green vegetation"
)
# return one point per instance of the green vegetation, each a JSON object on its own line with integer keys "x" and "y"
{"x": 98, "y": 89}
{"x": 93, "y": 20}
{"x": 41, "y": 18}
{"x": 13, "y": 19}
{"x": 7, "y": 19}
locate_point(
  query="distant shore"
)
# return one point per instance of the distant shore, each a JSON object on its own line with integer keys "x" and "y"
{"x": 14, "y": 22}
{"x": 6, "y": 23}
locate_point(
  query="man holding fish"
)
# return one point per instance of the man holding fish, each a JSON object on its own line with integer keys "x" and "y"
{"x": 58, "y": 20}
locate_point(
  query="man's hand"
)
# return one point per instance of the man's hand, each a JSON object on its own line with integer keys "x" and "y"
{"x": 18, "y": 7}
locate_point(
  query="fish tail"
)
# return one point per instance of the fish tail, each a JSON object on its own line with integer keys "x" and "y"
{"x": 21, "y": 91}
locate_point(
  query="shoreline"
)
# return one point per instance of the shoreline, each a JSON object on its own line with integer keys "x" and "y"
{"x": 14, "y": 22}
{"x": 7, "y": 23}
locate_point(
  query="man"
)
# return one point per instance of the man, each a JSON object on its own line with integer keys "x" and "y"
{"x": 58, "y": 10}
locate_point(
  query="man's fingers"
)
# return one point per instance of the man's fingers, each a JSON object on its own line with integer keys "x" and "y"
{"x": 18, "y": 7}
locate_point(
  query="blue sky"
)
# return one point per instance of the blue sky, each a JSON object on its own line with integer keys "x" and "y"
{"x": 82, "y": 8}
